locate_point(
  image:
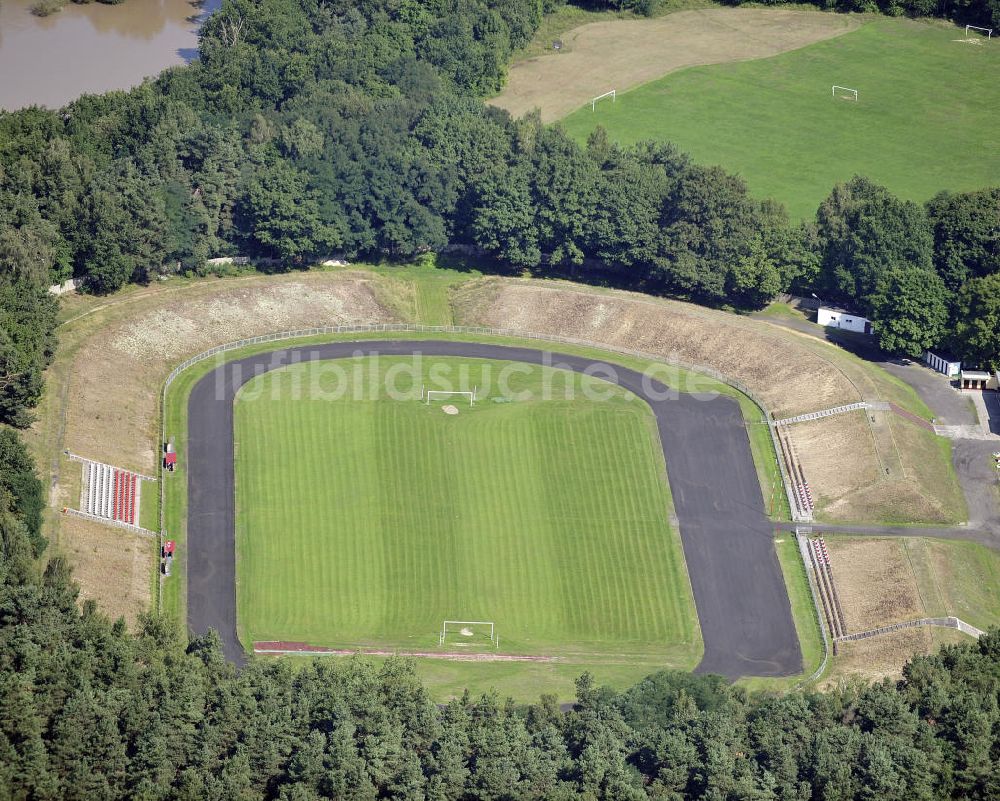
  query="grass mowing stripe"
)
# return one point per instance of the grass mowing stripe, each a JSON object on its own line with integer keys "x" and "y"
{"x": 681, "y": 652}
{"x": 389, "y": 516}
{"x": 924, "y": 99}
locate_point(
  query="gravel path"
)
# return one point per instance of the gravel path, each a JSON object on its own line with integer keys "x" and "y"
{"x": 969, "y": 533}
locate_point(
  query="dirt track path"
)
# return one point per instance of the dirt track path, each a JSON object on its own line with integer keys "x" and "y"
{"x": 621, "y": 54}
{"x": 739, "y": 590}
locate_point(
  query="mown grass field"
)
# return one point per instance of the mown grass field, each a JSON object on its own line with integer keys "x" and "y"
{"x": 926, "y": 118}
{"x": 367, "y": 522}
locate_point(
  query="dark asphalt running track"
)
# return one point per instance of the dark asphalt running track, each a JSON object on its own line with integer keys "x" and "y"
{"x": 739, "y": 590}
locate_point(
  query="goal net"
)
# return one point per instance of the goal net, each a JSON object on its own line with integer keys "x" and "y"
{"x": 432, "y": 394}
{"x": 976, "y": 31}
{"x": 845, "y": 92}
{"x": 595, "y": 100}
{"x": 479, "y": 633}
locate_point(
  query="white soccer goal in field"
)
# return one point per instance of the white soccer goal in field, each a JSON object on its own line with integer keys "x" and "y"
{"x": 593, "y": 102}
{"x": 987, "y": 31}
{"x": 429, "y": 394}
{"x": 845, "y": 93}
{"x": 469, "y": 632}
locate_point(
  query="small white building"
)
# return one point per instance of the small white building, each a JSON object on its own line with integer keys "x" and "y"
{"x": 834, "y": 317}
{"x": 69, "y": 286}
{"x": 973, "y": 379}
{"x": 225, "y": 261}
{"x": 943, "y": 363}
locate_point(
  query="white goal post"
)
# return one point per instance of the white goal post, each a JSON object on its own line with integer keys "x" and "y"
{"x": 987, "y": 31}
{"x": 593, "y": 102}
{"x": 846, "y": 92}
{"x": 425, "y": 395}
{"x": 464, "y": 628}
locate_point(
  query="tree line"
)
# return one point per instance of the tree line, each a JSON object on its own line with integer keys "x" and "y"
{"x": 310, "y": 127}
{"x": 90, "y": 711}
{"x": 984, "y": 13}
{"x": 928, "y": 275}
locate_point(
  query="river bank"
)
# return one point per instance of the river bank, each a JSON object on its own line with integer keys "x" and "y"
{"x": 91, "y": 48}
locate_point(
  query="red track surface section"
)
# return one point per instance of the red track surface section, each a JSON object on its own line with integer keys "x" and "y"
{"x": 911, "y": 417}
{"x": 291, "y": 647}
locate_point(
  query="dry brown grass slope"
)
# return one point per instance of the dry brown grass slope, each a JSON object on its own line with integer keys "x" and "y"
{"x": 102, "y": 392}
{"x": 119, "y": 370}
{"x": 875, "y": 582}
{"x": 881, "y": 581}
{"x": 885, "y": 656}
{"x": 789, "y": 378}
{"x": 112, "y": 566}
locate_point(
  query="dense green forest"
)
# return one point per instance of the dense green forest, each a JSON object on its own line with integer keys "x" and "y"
{"x": 985, "y": 13}
{"x": 89, "y": 711}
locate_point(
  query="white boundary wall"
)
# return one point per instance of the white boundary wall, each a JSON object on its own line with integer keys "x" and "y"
{"x": 943, "y": 366}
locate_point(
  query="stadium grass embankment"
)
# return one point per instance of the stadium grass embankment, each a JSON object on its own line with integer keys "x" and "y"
{"x": 365, "y": 523}
{"x": 883, "y": 657}
{"x": 132, "y": 340}
{"x": 925, "y": 119}
{"x": 103, "y": 388}
{"x": 174, "y": 597}
{"x": 882, "y": 581}
{"x": 99, "y": 346}
{"x": 620, "y": 54}
{"x": 851, "y": 484}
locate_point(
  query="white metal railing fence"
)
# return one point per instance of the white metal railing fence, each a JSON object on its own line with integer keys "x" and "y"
{"x": 801, "y": 537}
{"x": 376, "y": 328}
{"x": 110, "y": 521}
{"x": 942, "y": 622}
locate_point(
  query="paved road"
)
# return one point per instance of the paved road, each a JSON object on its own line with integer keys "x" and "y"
{"x": 739, "y": 591}
{"x": 950, "y": 407}
{"x": 969, "y": 533}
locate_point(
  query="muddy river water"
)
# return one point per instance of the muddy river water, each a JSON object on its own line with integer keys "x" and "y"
{"x": 91, "y": 48}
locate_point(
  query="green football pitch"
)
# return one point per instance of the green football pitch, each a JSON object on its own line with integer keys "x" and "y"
{"x": 926, "y": 118}
{"x": 366, "y": 520}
